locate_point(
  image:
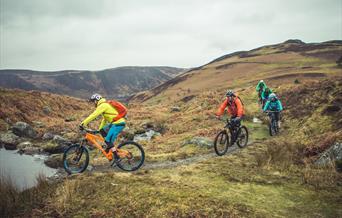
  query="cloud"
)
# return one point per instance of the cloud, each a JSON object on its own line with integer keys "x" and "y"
{"x": 98, "y": 34}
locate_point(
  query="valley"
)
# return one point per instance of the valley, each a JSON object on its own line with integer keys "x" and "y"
{"x": 182, "y": 177}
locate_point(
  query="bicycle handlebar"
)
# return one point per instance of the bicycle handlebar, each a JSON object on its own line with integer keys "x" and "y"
{"x": 269, "y": 111}
{"x": 82, "y": 129}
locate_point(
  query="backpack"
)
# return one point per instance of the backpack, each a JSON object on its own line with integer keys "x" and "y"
{"x": 122, "y": 110}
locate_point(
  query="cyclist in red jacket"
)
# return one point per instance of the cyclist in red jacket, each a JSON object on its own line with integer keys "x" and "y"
{"x": 234, "y": 107}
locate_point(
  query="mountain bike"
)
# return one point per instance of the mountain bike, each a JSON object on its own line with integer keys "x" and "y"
{"x": 128, "y": 155}
{"x": 229, "y": 135}
{"x": 273, "y": 125}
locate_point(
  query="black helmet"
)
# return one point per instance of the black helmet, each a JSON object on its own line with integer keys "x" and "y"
{"x": 230, "y": 93}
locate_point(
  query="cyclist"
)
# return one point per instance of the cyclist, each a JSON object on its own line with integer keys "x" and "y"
{"x": 260, "y": 88}
{"x": 264, "y": 95}
{"x": 273, "y": 104}
{"x": 109, "y": 113}
{"x": 234, "y": 107}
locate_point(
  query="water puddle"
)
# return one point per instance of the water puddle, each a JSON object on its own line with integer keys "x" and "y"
{"x": 23, "y": 170}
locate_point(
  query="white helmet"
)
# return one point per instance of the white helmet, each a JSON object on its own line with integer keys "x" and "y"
{"x": 96, "y": 97}
{"x": 272, "y": 96}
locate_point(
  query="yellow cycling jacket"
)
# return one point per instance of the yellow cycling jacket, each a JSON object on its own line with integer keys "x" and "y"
{"x": 107, "y": 111}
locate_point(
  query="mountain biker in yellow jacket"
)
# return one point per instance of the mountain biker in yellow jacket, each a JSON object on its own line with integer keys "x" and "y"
{"x": 107, "y": 127}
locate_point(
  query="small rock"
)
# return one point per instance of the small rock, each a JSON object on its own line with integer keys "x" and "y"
{"x": 38, "y": 124}
{"x": 256, "y": 120}
{"x": 147, "y": 125}
{"x": 48, "y": 136}
{"x": 139, "y": 131}
{"x": 23, "y": 129}
{"x": 200, "y": 141}
{"x": 59, "y": 140}
{"x": 46, "y": 110}
{"x": 70, "y": 119}
{"x": 175, "y": 109}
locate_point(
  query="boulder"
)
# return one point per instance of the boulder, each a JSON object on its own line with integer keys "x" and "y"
{"x": 59, "y": 140}
{"x": 48, "y": 136}
{"x": 9, "y": 140}
{"x": 23, "y": 129}
{"x": 28, "y": 148}
{"x": 54, "y": 161}
{"x": 24, "y": 145}
{"x": 334, "y": 153}
{"x": 200, "y": 141}
{"x": 53, "y": 147}
{"x": 147, "y": 136}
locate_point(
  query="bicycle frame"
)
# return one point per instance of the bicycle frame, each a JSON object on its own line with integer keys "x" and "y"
{"x": 97, "y": 139}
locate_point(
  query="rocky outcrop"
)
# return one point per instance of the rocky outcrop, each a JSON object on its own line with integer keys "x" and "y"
{"x": 332, "y": 154}
{"x": 23, "y": 129}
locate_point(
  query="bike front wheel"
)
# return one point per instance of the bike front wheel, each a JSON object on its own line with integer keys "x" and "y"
{"x": 273, "y": 128}
{"x": 221, "y": 143}
{"x": 131, "y": 156}
{"x": 242, "y": 137}
{"x": 75, "y": 159}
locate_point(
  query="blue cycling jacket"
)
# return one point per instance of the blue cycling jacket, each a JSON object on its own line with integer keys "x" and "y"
{"x": 273, "y": 106}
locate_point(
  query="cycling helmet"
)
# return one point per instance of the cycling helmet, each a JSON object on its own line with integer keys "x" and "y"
{"x": 95, "y": 97}
{"x": 272, "y": 96}
{"x": 230, "y": 93}
{"x": 261, "y": 81}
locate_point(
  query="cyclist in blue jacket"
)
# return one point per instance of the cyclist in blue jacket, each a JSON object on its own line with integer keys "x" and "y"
{"x": 274, "y": 105}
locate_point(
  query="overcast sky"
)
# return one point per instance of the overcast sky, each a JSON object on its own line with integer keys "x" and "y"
{"x": 99, "y": 34}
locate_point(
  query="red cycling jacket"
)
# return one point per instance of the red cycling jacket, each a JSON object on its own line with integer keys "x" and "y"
{"x": 235, "y": 109}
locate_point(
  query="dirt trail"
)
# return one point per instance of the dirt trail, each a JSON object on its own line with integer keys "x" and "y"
{"x": 168, "y": 163}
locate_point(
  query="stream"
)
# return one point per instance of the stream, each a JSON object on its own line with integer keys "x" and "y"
{"x": 23, "y": 170}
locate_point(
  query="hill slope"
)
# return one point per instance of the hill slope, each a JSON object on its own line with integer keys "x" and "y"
{"x": 277, "y": 64}
{"x": 272, "y": 177}
{"x": 117, "y": 82}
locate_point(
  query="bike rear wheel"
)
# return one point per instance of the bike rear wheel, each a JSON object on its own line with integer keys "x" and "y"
{"x": 242, "y": 137}
{"x": 131, "y": 156}
{"x": 221, "y": 143}
{"x": 75, "y": 159}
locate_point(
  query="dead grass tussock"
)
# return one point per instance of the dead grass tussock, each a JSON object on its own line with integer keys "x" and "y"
{"x": 16, "y": 202}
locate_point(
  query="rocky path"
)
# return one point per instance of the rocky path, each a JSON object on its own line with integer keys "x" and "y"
{"x": 168, "y": 163}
